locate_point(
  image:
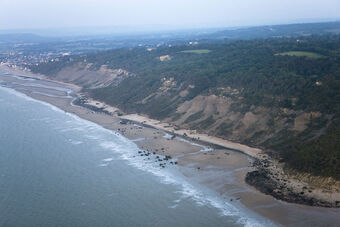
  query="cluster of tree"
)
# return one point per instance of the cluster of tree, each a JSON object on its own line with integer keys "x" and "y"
{"x": 320, "y": 156}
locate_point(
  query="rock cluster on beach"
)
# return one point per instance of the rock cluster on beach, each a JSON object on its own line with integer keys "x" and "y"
{"x": 268, "y": 179}
{"x": 163, "y": 160}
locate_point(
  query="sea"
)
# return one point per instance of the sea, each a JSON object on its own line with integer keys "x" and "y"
{"x": 57, "y": 169}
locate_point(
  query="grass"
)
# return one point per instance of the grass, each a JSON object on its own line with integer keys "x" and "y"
{"x": 301, "y": 54}
{"x": 200, "y": 51}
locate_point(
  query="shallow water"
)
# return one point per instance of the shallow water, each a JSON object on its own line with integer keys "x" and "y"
{"x": 59, "y": 170}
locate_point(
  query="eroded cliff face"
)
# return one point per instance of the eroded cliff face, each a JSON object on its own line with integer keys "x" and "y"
{"x": 258, "y": 125}
{"x": 219, "y": 113}
{"x": 81, "y": 74}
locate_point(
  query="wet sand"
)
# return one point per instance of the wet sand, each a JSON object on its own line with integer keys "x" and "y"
{"x": 221, "y": 170}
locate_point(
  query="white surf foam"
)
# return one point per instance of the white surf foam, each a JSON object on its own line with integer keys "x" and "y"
{"x": 187, "y": 190}
{"x": 75, "y": 142}
{"x": 108, "y": 160}
{"x": 129, "y": 151}
{"x": 103, "y": 165}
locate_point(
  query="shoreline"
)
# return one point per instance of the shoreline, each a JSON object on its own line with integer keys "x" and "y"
{"x": 189, "y": 154}
{"x": 266, "y": 175}
{"x": 144, "y": 120}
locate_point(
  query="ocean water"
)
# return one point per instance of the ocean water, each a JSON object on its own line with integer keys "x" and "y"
{"x": 59, "y": 170}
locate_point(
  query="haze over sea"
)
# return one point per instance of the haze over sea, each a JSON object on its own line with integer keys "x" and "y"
{"x": 59, "y": 170}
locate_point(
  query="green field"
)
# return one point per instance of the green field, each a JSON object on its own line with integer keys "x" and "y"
{"x": 301, "y": 54}
{"x": 200, "y": 51}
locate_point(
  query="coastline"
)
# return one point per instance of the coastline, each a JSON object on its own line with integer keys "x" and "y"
{"x": 155, "y": 139}
{"x": 266, "y": 175}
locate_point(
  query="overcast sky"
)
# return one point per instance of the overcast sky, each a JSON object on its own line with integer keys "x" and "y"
{"x": 19, "y": 14}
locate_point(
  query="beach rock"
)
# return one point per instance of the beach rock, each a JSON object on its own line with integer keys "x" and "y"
{"x": 261, "y": 179}
{"x": 123, "y": 122}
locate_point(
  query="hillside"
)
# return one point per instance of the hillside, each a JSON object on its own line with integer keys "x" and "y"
{"x": 286, "y": 30}
{"x": 251, "y": 92}
{"x": 22, "y": 38}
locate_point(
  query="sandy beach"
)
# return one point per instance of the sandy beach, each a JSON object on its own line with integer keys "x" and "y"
{"x": 214, "y": 163}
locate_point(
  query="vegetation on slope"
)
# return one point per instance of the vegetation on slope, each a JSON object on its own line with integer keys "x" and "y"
{"x": 320, "y": 156}
{"x": 257, "y": 73}
{"x": 301, "y": 54}
{"x": 199, "y": 51}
